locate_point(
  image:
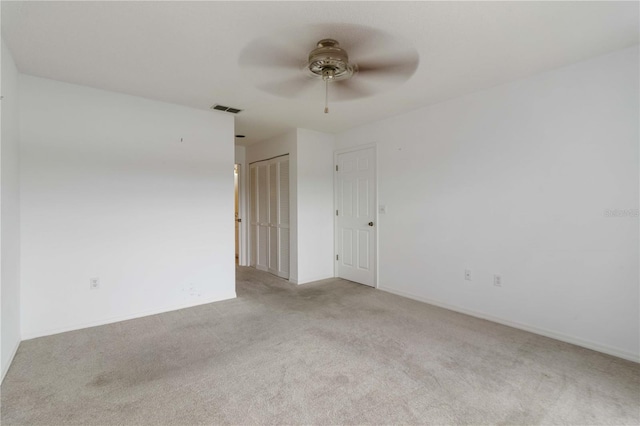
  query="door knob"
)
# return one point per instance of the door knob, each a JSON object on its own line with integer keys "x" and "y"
{"x": 370, "y": 223}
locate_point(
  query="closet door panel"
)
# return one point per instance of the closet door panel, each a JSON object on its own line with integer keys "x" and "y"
{"x": 273, "y": 250}
{"x": 283, "y": 185}
{"x": 253, "y": 214}
{"x": 283, "y": 248}
{"x": 269, "y": 216}
{"x": 283, "y": 218}
{"x": 262, "y": 245}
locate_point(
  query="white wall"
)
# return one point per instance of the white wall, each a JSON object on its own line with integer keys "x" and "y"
{"x": 136, "y": 192}
{"x": 10, "y": 211}
{"x": 315, "y": 205}
{"x": 311, "y": 199}
{"x": 281, "y": 145}
{"x": 240, "y": 153}
{"x": 516, "y": 180}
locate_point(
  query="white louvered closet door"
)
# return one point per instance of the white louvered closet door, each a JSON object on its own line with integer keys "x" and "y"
{"x": 253, "y": 215}
{"x": 273, "y": 217}
{"x": 283, "y": 218}
{"x": 269, "y": 198}
{"x": 262, "y": 238}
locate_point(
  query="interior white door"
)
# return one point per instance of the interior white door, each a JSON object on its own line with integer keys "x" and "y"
{"x": 355, "y": 216}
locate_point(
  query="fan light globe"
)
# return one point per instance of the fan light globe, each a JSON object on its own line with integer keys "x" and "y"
{"x": 330, "y": 62}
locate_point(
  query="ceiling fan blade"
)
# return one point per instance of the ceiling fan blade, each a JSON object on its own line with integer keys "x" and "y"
{"x": 289, "y": 88}
{"x": 349, "y": 89}
{"x": 364, "y": 43}
{"x": 401, "y": 67}
{"x": 264, "y": 54}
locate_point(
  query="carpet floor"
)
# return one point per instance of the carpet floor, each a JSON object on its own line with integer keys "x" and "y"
{"x": 331, "y": 352}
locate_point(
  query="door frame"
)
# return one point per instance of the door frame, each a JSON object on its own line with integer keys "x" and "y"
{"x": 376, "y": 250}
{"x": 243, "y": 258}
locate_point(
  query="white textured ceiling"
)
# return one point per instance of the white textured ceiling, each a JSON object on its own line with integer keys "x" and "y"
{"x": 189, "y": 52}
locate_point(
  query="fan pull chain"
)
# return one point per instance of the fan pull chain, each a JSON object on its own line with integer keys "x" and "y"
{"x": 326, "y": 97}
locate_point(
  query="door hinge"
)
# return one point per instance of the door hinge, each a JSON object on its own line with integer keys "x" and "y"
{"x": 336, "y": 212}
{"x": 336, "y": 167}
{"x": 337, "y": 257}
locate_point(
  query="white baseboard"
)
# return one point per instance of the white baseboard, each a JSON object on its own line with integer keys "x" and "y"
{"x": 49, "y": 332}
{"x": 314, "y": 279}
{"x": 532, "y": 329}
{"x": 5, "y": 368}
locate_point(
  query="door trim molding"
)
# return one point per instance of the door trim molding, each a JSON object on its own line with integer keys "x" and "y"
{"x": 376, "y": 250}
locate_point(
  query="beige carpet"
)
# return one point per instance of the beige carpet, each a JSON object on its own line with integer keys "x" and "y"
{"x": 327, "y": 353}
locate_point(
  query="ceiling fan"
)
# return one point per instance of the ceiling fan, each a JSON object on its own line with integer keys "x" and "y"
{"x": 378, "y": 61}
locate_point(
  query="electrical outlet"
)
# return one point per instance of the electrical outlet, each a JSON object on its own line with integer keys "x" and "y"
{"x": 497, "y": 280}
{"x": 467, "y": 274}
{"x": 94, "y": 283}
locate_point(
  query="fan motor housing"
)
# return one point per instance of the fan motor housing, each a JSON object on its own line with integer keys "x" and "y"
{"x": 330, "y": 62}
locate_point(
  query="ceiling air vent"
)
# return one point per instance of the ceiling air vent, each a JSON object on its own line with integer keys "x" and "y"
{"x": 226, "y": 109}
